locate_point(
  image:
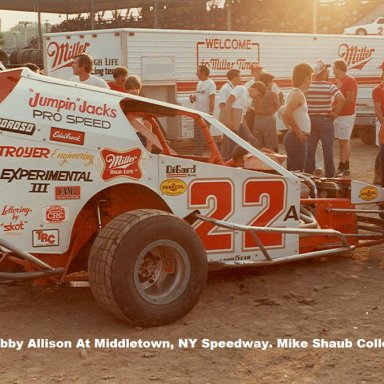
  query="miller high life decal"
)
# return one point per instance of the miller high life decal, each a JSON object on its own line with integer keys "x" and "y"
{"x": 63, "y": 54}
{"x": 354, "y": 56}
{"x": 121, "y": 164}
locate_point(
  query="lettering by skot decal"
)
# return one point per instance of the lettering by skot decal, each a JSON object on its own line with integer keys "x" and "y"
{"x": 173, "y": 187}
{"x": 121, "y": 164}
{"x": 16, "y": 216}
{"x": 368, "y": 193}
{"x": 67, "y": 193}
{"x": 179, "y": 171}
{"x": 67, "y": 136}
{"x": 17, "y": 127}
{"x": 55, "y": 214}
{"x": 21, "y": 152}
{"x": 45, "y": 238}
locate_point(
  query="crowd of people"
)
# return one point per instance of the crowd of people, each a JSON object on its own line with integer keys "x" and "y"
{"x": 294, "y": 16}
{"x": 315, "y": 111}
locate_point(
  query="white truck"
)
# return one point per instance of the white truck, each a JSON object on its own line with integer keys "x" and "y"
{"x": 166, "y": 60}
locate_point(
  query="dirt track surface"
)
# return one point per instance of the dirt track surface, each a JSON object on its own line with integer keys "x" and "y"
{"x": 333, "y": 298}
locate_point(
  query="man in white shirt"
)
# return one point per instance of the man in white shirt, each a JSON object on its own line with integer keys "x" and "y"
{"x": 82, "y": 67}
{"x": 234, "y": 79}
{"x": 204, "y": 97}
{"x": 238, "y": 102}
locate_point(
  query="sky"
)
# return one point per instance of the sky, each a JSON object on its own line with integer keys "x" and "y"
{"x": 11, "y": 18}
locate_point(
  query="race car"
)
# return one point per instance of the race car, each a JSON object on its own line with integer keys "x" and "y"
{"x": 90, "y": 195}
{"x": 374, "y": 28}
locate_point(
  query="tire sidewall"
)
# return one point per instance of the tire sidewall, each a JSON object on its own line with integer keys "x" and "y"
{"x": 127, "y": 296}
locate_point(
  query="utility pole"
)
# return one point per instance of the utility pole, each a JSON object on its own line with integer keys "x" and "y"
{"x": 25, "y": 24}
{"x": 315, "y": 8}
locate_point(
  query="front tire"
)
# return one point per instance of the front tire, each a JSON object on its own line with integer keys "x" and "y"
{"x": 147, "y": 267}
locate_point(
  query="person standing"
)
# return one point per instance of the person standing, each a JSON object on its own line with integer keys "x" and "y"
{"x": 256, "y": 72}
{"x": 119, "y": 74}
{"x": 234, "y": 79}
{"x": 204, "y": 99}
{"x": 238, "y": 102}
{"x": 345, "y": 121}
{"x": 378, "y": 103}
{"x": 296, "y": 118}
{"x": 82, "y": 67}
{"x": 320, "y": 96}
{"x": 264, "y": 123}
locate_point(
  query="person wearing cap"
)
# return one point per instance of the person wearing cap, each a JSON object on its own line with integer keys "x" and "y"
{"x": 296, "y": 118}
{"x": 345, "y": 121}
{"x": 321, "y": 95}
{"x": 256, "y": 72}
{"x": 378, "y": 103}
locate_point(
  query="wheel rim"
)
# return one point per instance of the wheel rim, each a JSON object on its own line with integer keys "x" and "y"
{"x": 162, "y": 272}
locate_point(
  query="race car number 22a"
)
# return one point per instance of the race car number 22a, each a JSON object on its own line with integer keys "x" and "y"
{"x": 267, "y": 196}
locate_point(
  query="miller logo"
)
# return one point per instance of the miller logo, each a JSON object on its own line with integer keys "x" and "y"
{"x": 64, "y": 53}
{"x": 354, "y": 56}
{"x": 121, "y": 164}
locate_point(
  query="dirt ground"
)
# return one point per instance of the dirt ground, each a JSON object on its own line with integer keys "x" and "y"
{"x": 333, "y": 298}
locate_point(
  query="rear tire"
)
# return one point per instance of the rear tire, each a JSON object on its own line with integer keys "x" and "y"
{"x": 147, "y": 267}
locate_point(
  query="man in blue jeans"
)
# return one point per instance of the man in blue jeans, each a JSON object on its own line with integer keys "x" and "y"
{"x": 320, "y": 97}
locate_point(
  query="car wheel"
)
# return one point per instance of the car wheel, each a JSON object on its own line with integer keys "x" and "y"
{"x": 361, "y": 31}
{"x": 147, "y": 267}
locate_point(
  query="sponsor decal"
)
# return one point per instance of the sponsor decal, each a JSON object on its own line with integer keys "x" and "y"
{"x": 28, "y": 152}
{"x": 63, "y": 54}
{"x": 77, "y": 105}
{"x": 55, "y": 214}
{"x": 368, "y": 193}
{"x": 39, "y": 188}
{"x": 67, "y": 193}
{"x": 17, "y": 127}
{"x": 213, "y": 52}
{"x": 65, "y": 156}
{"x": 67, "y": 136}
{"x": 354, "y": 56}
{"x": 45, "y": 238}
{"x": 173, "y": 187}
{"x": 16, "y": 216}
{"x": 12, "y": 174}
{"x": 179, "y": 171}
{"x": 121, "y": 164}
